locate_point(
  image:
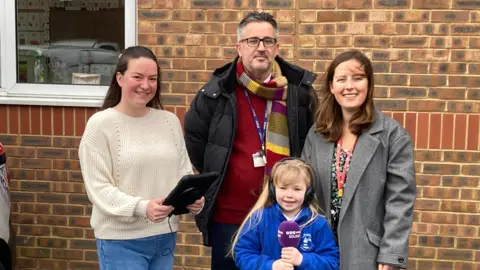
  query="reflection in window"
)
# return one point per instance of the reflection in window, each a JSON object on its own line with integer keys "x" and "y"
{"x": 69, "y": 42}
{"x": 0, "y": 60}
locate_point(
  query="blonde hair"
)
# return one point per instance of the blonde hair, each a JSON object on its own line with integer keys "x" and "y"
{"x": 286, "y": 171}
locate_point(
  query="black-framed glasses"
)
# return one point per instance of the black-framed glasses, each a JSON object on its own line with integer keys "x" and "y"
{"x": 255, "y": 41}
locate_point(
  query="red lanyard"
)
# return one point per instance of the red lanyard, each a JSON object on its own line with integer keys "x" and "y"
{"x": 342, "y": 175}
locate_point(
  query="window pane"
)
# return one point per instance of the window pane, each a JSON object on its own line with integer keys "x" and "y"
{"x": 0, "y": 60}
{"x": 69, "y": 42}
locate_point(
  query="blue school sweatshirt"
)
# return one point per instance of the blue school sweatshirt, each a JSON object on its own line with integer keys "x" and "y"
{"x": 258, "y": 247}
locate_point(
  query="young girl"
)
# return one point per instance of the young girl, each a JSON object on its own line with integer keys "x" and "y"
{"x": 287, "y": 195}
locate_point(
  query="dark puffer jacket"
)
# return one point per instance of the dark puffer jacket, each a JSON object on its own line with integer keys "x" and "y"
{"x": 211, "y": 122}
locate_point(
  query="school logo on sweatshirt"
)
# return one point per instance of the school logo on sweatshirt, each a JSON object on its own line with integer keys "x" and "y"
{"x": 307, "y": 243}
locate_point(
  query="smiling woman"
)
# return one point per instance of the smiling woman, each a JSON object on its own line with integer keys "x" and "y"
{"x": 136, "y": 81}
{"x": 132, "y": 154}
{"x": 380, "y": 182}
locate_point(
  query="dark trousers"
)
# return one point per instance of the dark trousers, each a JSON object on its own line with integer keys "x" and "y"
{"x": 5, "y": 256}
{"x": 221, "y": 236}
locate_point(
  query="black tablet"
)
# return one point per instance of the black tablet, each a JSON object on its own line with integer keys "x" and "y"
{"x": 189, "y": 189}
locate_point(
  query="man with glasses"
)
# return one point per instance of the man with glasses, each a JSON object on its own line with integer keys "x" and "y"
{"x": 253, "y": 112}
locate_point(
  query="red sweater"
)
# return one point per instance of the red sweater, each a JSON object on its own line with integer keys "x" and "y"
{"x": 243, "y": 182}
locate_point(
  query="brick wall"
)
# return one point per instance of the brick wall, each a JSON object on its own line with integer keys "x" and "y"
{"x": 425, "y": 54}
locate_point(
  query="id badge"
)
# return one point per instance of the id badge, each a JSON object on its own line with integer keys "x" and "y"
{"x": 258, "y": 159}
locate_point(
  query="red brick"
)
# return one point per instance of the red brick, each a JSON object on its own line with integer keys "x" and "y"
{"x": 80, "y": 121}
{"x": 13, "y": 119}
{"x": 426, "y": 105}
{"x": 465, "y": 29}
{"x": 334, "y": 16}
{"x": 25, "y": 120}
{"x": 411, "y": 125}
{"x": 47, "y": 126}
{"x": 447, "y": 131}
{"x": 463, "y": 107}
{"x": 426, "y": 264}
{"x": 449, "y": 16}
{"x": 470, "y": 194}
{"x": 67, "y": 232}
{"x": 67, "y": 254}
{"x": 439, "y": 42}
{"x": 366, "y": 41}
{"x": 460, "y": 181}
{"x": 474, "y": 43}
{"x": 391, "y": 28}
{"x": 52, "y": 264}
{"x": 354, "y": 4}
{"x": 461, "y": 156}
{"x": 52, "y": 220}
{"x": 409, "y": 67}
{"x": 4, "y": 119}
{"x": 399, "y": 117}
{"x": 439, "y": 218}
{"x": 460, "y": 131}
{"x": 473, "y": 132}
{"x": 430, "y": 55}
{"x": 459, "y": 43}
{"x": 455, "y": 254}
{"x": 390, "y": 105}
{"x": 430, "y": 29}
{"x": 435, "y": 126}
{"x": 35, "y": 252}
{"x": 57, "y": 121}
{"x": 441, "y": 193}
{"x": 469, "y": 219}
{"x": 456, "y": 230}
{"x": 429, "y": 205}
{"x": 448, "y": 68}
{"x": 400, "y": 4}
{"x": 436, "y": 241}
{"x": 428, "y": 155}
{"x": 388, "y": 79}
{"x": 446, "y": 93}
{"x": 423, "y": 134}
{"x": 471, "y": 169}
{"x": 459, "y": 206}
{"x": 314, "y": 4}
{"x": 428, "y": 180}
{"x": 79, "y": 222}
{"x": 428, "y": 80}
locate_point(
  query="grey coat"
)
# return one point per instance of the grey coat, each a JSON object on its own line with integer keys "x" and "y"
{"x": 377, "y": 209}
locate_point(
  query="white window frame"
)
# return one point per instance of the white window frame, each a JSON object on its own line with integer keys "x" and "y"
{"x": 12, "y": 92}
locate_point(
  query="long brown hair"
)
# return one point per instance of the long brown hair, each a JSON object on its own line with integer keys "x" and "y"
{"x": 114, "y": 93}
{"x": 329, "y": 117}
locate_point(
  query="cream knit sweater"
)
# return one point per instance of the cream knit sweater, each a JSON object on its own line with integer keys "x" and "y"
{"x": 125, "y": 162}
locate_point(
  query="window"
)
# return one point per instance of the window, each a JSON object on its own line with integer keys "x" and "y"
{"x": 65, "y": 52}
{"x": 0, "y": 57}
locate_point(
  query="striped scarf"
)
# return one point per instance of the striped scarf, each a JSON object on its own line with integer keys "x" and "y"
{"x": 277, "y": 141}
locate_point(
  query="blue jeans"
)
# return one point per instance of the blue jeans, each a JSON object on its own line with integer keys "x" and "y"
{"x": 149, "y": 253}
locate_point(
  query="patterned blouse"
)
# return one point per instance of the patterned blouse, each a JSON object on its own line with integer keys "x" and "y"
{"x": 337, "y": 201}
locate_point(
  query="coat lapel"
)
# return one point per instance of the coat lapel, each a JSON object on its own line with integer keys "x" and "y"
{"x": 326, "y": 148}
{"x": 363, "y": 153}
